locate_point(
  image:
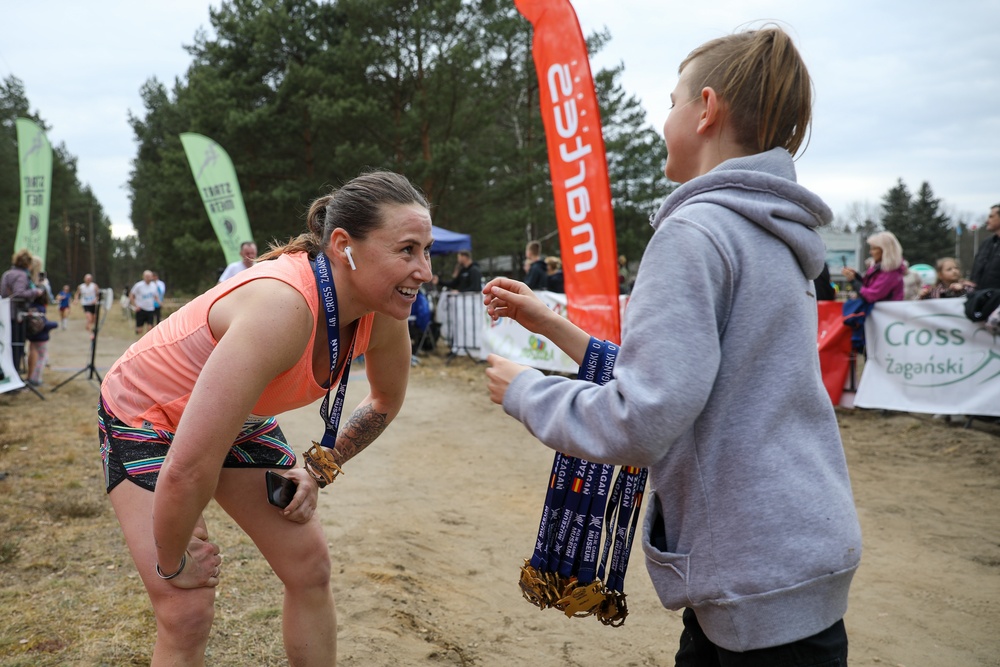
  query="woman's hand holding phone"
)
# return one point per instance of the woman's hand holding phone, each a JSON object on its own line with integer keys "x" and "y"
{"x": 303, "y": 504}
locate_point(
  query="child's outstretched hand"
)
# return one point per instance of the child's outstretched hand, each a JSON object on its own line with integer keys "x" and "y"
{"x": 499, "y": 374}
{"x": 504, "y": 297}
{"x": 509, "y": 298}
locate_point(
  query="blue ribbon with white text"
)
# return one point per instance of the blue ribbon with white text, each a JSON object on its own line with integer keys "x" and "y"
{"x": 328, "y": 297}
{"x": 563, "y": 571}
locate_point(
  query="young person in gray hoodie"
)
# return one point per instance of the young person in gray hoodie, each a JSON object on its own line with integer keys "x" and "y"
{"x": 751, "y": 526}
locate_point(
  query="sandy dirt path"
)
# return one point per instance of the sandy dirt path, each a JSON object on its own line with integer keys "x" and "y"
{"x": 429, "y": 527}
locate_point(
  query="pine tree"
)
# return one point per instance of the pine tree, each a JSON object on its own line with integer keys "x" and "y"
{"x": 635, "y": 156}
{"x": 73, "y": 210}
{"x": 929, "y": 236}
{"x": 922, "y": 228}
{"x": 896, "y": 211}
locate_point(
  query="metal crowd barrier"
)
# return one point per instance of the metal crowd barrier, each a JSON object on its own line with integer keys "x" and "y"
{"x": 461, "y": 317}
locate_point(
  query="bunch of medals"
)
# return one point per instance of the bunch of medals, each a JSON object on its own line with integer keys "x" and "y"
{"x": 569, "y": 570}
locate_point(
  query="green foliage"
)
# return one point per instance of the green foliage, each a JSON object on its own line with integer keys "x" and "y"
{"x": 896, "y": 210}
{"x": 13, "y": 105}
{"x": 636, "y": 160}
{"x": 930, "y": 234}
{"x": 304, "y": 95}
{"x": 923, "y": 230}
{"x": 79, "y": 233}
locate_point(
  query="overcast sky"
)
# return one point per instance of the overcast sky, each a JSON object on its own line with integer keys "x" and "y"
{"x": 903, "y": 90}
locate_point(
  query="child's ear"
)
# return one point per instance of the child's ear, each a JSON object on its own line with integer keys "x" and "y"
{"x": 710, "y": 110}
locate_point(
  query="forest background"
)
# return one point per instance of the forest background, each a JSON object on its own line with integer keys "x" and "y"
{"x": 304, "y": 95}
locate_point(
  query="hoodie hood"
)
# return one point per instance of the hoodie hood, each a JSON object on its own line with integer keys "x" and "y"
{"x": 762, "y": 189}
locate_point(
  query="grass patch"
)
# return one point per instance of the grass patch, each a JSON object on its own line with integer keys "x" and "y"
{"x": 268, "y": 614}
{"x": 69, "y": 591}
{"x": 8, "y": 550}
{"x": 73, "y": 508}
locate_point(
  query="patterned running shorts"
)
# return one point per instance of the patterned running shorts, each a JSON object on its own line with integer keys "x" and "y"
{"x": 137, "y": 453}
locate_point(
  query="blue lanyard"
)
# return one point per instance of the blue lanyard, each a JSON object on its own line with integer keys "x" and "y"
{"x": 624, "y": 503}
{"x": 328, "y": 297}
{"x": 622, "y": 506}
{"x": 551, "y": 513}
{"x": 567, "y": 537}
{"x": 591, "y": 542}
{"x": 569, "y": 569}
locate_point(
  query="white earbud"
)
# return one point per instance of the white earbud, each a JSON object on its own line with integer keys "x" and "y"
{"x": 350, "y": 258}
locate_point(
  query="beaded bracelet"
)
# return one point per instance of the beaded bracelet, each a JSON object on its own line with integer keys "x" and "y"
{"x": 180, "y": 569}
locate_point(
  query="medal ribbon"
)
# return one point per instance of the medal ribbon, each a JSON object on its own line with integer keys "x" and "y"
{"x": 594, "y": 519}
{"x": 570, "y": 519}
{"x": 581, "y": 503}
{"x": 328, "y": 297}
{"x": 550, "y": 512}
{"x": 627, "y": 506}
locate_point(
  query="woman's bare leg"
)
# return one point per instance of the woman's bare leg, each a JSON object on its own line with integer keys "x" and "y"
{"x": 298, "y": 555}
{"x": 183, "y": 617}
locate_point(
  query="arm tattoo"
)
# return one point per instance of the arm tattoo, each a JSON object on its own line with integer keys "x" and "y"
{"x": 360, "y": 430}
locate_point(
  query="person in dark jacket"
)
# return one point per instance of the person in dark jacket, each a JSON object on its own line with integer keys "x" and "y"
{"x": 986, "y": 265}
{"x": 824, "y": 285}
{"x": 538, "y": 274}
{"x": 554, "y": 283}
{"x": 467, "y": 276}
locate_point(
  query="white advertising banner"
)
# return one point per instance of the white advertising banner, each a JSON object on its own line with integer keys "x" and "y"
{"x": 926, "y": 356}
{"x": 10, "y": 379}
{"x": 509, "y": 339}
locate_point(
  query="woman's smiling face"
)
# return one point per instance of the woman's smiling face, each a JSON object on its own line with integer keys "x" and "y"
{"x": 394, "y": 260}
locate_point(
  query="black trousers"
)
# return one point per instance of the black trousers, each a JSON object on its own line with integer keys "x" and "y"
{"x": 824, "y": 649}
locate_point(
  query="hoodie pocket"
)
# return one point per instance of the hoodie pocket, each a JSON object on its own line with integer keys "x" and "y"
{"x": 668, "y": 570}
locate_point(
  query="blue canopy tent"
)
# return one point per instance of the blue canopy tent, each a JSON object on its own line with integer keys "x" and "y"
{"x": 446, "y": 241}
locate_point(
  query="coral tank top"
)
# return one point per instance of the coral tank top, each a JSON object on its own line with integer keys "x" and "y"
{"x": 153, "y": 380}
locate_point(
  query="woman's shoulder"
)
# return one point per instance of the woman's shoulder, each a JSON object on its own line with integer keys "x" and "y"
{"x": 895, "y": 275}
{"x": 265, "y": 309}
{"x": 268, "y": 290}
{"x": 290, "y": 269}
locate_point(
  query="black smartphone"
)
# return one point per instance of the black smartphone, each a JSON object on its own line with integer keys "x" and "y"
{"x": 280, "y": 490}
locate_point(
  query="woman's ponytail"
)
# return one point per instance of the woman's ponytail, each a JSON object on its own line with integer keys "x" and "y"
{"x": 309, "y": 242}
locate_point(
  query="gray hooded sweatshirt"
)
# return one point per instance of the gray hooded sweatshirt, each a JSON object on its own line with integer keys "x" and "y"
{"x": 718, "y": 391}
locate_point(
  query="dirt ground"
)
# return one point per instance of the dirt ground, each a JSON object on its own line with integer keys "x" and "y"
{"x": 429, "y": 527}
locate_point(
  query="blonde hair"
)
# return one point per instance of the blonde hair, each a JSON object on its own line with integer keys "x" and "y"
{"x": 356, "y": 207}
{"x": 892, "y": 252}
{"x": 762, "y": 81}
{"x": 36, "y": 269}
